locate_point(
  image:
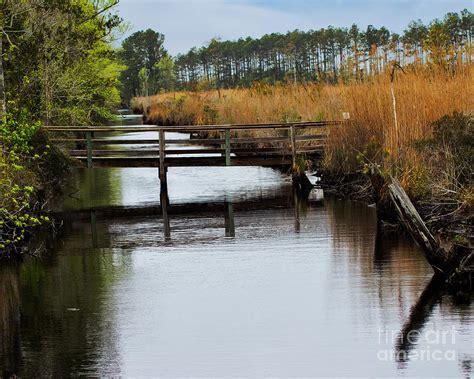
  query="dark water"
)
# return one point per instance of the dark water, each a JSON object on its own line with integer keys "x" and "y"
{"x": 306, "y": 288}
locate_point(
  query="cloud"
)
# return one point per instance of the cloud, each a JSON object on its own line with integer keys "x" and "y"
{"x": 188, "y": 23}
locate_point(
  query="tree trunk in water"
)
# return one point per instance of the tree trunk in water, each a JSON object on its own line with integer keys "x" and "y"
{"x": 3, "y": 103}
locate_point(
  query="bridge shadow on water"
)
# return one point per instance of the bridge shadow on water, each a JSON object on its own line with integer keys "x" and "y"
{"x": 224, "y": 210}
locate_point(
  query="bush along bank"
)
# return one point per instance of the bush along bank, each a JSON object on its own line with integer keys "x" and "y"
{"x": 31, "y": 172}
{"x": 437, "y": 175}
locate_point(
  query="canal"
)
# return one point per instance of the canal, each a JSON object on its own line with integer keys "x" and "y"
{"x": 299, "y": 287}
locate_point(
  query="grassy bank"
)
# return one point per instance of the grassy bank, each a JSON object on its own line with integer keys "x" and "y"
{"x": 370, "y": 141}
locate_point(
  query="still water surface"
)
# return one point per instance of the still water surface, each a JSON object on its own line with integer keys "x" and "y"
{"x": 305, "y": 288}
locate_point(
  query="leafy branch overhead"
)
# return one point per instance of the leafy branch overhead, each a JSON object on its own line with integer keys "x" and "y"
{"x": 68, "y": 45}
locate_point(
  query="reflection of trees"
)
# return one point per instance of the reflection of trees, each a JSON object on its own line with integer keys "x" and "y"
{"x": 93, "y": 188}
{"x": 9, "y": 320}
{"x": 66, "y": 323}
{"x": 99, "y": 187}
{"x": 467, "y": 366}
{"x": 353, "y": 228}
{"x": 391, "y": 264}
{"x": 434, "y": 294}
{"x": 419, "y": 314}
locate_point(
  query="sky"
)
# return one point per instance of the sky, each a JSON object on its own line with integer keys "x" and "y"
{"x": 189, "y": 23}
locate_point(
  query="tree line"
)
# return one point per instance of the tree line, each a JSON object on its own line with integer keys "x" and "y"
{"x": 328, "y": 55}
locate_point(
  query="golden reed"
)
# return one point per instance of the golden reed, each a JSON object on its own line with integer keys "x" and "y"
{"x": 422, "y": 94}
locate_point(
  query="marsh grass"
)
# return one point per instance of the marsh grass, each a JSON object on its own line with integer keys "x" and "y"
{"x": 423, "y": 94}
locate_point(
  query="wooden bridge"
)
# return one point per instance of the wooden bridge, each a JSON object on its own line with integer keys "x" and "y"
{"x": 268, "y": 145}
{"x": 271, "y": 145}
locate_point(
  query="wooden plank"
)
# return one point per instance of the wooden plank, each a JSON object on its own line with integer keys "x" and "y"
{"x": 185, "y": 142}
{"x": 149, "y": 152}
{"x": 196, "y": 141}
{"x": 267, "y": 160}
{"x": 100, "y": 141}
{"x": 156, "y": 152}
{"x": 183, "y": 129}
{"x": 257, "y": 140}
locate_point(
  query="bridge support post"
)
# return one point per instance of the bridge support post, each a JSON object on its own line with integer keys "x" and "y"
{"x": 164, "y": 212}
{"x": 164, "y": 186}
{"x": 227, "y": 147}
{"x": 89, "y": 149}
{"x": 229, "y": 219}
{"x": 162, "y": 146}
{"x": 293, "y": 144}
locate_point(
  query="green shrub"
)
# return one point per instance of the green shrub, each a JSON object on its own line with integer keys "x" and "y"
{"x": 25, "y": 155}
{"x": 373, "y": 157}
{"x": 449, "y": 157}
{"x": 290, "y": 116}
{"x": 454, "y": 136}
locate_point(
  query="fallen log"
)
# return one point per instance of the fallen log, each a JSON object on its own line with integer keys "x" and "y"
{"x": 454, "y": 264}
{"x": 414, "y": 224}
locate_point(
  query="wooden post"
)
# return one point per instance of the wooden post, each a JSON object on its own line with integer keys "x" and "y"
{"x": 162, "y": 146}
{"x": 227, "y": 147}
{"x": 229, "y": 219}
{"x": 89, "y": 149}
{"x": 164, "y": 186}
{"x": 164, "y": 211}
{"x": 293, "y": 144}
{"x": 296, "y": 202}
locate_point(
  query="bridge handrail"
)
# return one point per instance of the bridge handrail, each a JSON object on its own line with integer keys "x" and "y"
{"x": 191, "y": 128}
{"x": 227, "y": 143}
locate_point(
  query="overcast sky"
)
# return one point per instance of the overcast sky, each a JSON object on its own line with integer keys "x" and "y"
{"x": 188, "y": 23}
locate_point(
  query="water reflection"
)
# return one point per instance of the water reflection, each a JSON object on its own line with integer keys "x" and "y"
{"x": 65, "y": 318}
{"x": 419, "y": 314}
{"x": 229, "y": 219}
{"x": 164, "y": 202}
{"x": 301, "y": 205}
{"x": 265, "y": 302}
{"x": 10, "y": 343}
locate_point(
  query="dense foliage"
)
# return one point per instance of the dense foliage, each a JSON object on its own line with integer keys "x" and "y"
{"x": 58, "y": 60}
{"x": 57, "y": 66}
{"x": 16, "y": 187}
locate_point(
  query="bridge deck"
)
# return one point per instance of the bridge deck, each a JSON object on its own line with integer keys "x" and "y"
{"x": 276, "y": 160}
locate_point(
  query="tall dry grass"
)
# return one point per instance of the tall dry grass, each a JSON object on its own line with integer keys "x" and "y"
{"x": 422, "y": 96}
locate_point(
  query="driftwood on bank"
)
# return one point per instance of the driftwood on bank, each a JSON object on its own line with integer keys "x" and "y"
{"x": 414, "y": 224}
{"x": 456, "y": 266}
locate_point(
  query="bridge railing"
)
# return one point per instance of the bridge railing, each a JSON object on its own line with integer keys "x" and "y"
{"x": 228, "y": 144}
